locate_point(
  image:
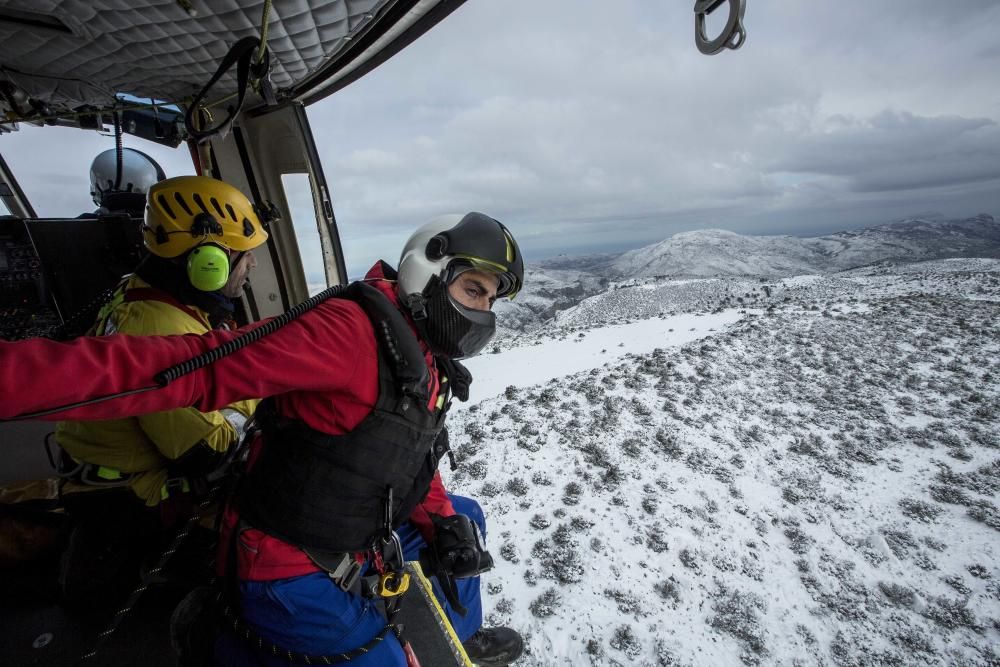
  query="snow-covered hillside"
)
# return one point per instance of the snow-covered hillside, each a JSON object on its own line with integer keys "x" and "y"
{"x": 712, "y": 252}
{"x": 559, "y": 283}
{"x": 809, "y": 476}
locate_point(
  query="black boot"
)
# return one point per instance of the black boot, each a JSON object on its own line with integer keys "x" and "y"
{"x": 494, "y": 647}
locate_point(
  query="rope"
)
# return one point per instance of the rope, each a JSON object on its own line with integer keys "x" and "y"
{"x": 247, "y": 634}
{"x": 263, "y": 32}
{"x": 133, "y": 598}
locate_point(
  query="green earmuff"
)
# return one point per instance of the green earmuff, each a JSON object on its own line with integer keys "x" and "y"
{"x": 208, "y": 267}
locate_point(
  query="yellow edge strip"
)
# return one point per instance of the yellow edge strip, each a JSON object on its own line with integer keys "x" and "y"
{"x": 479, "y": 260}
{"x": 429, "y": 594}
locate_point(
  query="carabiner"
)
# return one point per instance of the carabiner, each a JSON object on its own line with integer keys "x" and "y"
{"x": 732, "y": 36}
{"x": 391, "y": 584}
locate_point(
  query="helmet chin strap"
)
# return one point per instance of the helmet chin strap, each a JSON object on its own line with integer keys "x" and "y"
{"x": 417, "y": 305}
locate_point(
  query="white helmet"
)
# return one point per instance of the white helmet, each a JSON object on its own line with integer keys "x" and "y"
{"x": 139, "y": 173}
{"x": 433, "y": 256}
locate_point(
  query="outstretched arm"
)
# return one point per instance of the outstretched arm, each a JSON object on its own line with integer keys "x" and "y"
{"x": 312, "y": 352}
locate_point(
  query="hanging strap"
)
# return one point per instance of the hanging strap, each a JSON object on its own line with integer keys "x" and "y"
{"x": 244, "y": 54}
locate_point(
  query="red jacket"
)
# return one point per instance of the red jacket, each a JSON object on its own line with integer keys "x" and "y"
{"x": 322, "y": 368}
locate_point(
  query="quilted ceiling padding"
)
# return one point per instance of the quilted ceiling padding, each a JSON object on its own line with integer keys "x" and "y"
{"x": 74, "y": 52}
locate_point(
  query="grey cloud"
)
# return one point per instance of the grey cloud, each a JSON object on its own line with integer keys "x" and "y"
{"x": 899, "y": 151}
{"x": 584, "y": 123}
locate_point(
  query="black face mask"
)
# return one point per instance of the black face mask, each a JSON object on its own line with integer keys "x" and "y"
{"x": 451, "y": 329}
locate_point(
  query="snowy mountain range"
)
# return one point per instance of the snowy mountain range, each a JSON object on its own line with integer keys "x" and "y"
{"x": 718, "y": 252}
{"x": 559, "y": 283}
{"x": 758, "y": 471}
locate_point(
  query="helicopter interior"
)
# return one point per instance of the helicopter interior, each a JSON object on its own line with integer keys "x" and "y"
{"x": 226, "y": 80}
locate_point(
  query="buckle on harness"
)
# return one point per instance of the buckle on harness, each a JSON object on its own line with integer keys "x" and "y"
{"x": 98, "y": 475}
{"x": 173, "y": 485}
{"x": 346, "y": 573}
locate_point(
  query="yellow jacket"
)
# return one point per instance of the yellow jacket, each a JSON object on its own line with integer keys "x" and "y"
{"x": 148, "y": 444}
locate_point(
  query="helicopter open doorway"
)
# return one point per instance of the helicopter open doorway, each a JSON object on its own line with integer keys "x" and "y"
{"x": 268, "y": 140}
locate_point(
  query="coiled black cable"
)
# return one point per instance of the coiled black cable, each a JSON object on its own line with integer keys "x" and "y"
{"x": 165, "y": 377}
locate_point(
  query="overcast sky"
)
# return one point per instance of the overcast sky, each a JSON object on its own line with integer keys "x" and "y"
{"x": 589, "y": 126}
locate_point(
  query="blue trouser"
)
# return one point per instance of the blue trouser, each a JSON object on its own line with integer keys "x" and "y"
{"x": 310, "y": 614}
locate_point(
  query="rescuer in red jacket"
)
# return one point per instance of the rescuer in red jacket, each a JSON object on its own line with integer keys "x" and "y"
{"x": 352, "y": 435}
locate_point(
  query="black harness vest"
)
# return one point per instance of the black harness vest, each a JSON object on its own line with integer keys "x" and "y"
{"x": 328, "y": 492}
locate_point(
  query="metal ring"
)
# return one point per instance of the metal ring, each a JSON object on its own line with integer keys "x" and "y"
{"x": 733, "y": 35}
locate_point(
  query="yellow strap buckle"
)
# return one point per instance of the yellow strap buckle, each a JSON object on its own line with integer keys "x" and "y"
{"x": 109, "y": 474}
{"x": 392, "y": 584}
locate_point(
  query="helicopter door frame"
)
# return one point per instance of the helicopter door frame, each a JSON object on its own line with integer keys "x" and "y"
{"x": 12, "y": 195}
{"x": 261, "y": 148}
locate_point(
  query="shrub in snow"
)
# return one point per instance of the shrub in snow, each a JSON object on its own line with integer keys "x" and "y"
{"x": 919, "y": 510}
{"x": 798, "y": 541}
{"x": 509, "y": 552}
{"x": 631, "y": 447}
{"x": 541, "y": 479}
{"x": 517, "y": 487}
{"x": 915, "y": 640}
{"x": 529, "y": 444}
{"x": 595, "y": 455}
{"x": 562, "y": 536}
{"x": 955, "y": 581}
{"x": 594, "y": 649}
{"x": 979, "y": 571}
{"x": 654, "y": 539}
{"x": 546, "y": 604}
{"x": 987, "y": 513}
{"x": 624, "y": 640}
{"x": 539, "y": 522}
{"x": 737, "y": 613}
{"x": 689, "y": 559}
{"x": 476, "y": 469}
{"x": 612, "y": 477}
{"x": 900, "y": 542}
{"x": 951, "y": 614}
{"x": 572, "y": 493}
{"x": 668, "y": 590}
{"x": 628, "y": 602}
{"x": 946, "y": 493}
{"x": 475, "y": 432}
{"x": 899, "y": 595}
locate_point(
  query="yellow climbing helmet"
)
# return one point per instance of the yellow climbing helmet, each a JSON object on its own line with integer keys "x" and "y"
{"x": 187, "y": 211}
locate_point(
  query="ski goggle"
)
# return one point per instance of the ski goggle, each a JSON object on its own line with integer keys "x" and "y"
{"x": 507, "y": 283}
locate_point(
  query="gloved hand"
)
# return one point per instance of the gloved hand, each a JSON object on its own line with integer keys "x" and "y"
{"x": 457, "y": 548}
{"x": 456, "y": 552}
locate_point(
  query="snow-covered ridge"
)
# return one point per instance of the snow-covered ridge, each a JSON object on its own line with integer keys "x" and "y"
{"x": 719, "y": 252}
{"x": 558, "y": 284}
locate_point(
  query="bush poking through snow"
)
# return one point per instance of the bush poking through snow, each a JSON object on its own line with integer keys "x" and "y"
{"x": 737, "y": 613}
{"x": 624, "y": 640}
{"x": 920, "y": 510}
{"x": 546, "y": 604}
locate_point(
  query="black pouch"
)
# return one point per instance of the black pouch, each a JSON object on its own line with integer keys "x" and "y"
{"x": 195, "y": 625}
